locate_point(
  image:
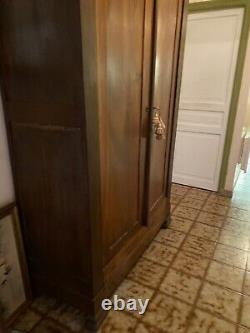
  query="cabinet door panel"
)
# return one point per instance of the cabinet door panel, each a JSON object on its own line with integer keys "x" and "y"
{"x": 122, "y": 26}
{"x": 163, "y": 82}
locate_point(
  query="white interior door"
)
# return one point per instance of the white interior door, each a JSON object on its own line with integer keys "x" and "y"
{"x": 210, "y": 58}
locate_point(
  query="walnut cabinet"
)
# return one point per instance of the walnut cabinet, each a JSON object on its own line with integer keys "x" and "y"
{"x": 90, "y": 92}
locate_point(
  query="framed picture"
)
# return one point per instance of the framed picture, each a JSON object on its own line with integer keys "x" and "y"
{"x": 14, "y": 282}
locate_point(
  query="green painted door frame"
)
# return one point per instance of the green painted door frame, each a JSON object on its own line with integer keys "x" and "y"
{"x": 227, "y": 4}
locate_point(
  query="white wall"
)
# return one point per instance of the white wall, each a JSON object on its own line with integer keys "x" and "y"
{"x": 6, "y": 182}
{"x": 239, "y": 122}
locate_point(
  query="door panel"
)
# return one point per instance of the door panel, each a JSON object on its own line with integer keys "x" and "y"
{"x": 125, "y": 70}
{"x": 210, "y": 59}
{"x": 166, "y": 25}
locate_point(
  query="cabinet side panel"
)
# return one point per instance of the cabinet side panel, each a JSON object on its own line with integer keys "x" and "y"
{"x": 41, "y": 59}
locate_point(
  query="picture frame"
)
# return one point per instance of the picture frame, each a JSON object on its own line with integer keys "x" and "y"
{"x": 14, "y": 283}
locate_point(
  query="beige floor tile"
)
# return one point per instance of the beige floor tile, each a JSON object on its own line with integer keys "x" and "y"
{"x": 231, "y": 256}
{"x": 198, "y": 194}
{"x": 180, "y": 285}
{"x": 202, "y": 322}
{"x": 243, "y": 330}
{"x": 175, "y": 199}
{"x": 160, "y": 253}
{"x": 226, "y": 276}
{"x": 246, "y": 289}
{"x": 229, "y": 238}
{"x": 211, "y": 219}
{"x": 43, "y": 304}
{"x": 167, "y": 314}
{"x": 132, "y": 289}
{"x": 212, "y": 207}
{"x": 248, "y": 262}
{"x": 172, "y": 207}
{"x": 68, "y": 316}
{"x": 192, "y": 202}
{"x": 239, "y": 214}
{"x": 27, "y": 321}
{"x": 219, "y": 199}
{"x": 245, "y": 318}
{"x": 186, "y": 212}
{"x": 145, "y": 328}
{"x": 170, "y": 237}
{"x": 118, "y": 321}
{"x": 180, "y": 224}
{"x": 238, "y": 227}
{"x": 205, "y": 231}
{"x": 179, "y": 189}
{"x": 191, "y": 263}
{"x": 50, "y": 326}
{"x": 147, "y": 273}
{"x": 199, "y": 246}
{"x": 219, "y": 301}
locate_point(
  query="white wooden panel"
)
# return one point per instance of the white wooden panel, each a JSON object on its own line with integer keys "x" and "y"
{"x": 208, "y": 122}
{"x": 193, "y": 164}
{"x": 211, "y": 51}
{"x": 210, "y": 60}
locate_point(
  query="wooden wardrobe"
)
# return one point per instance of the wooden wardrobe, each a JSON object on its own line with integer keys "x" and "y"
{"x": 90, "y": 91}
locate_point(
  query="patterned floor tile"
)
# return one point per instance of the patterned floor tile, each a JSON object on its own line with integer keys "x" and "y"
{"x": 179, "y": 189}
{"x": 231, "y": 256}
{"x": 167, "y": 314}
{"x": 205, "y": 231}
{"x": 211, "y": 219}
{"x": 226, "y": 276}
{"x": 130, "y": 289}
{"x": 239, "y": 228}
{"x": 192, "y": 202}
{"x": 145, "y": 328}
{"x": 160, "y": 253}
{"x": 212, "y": 207}
{"x": 186, "y": 212}
{"x": 246, "y": 289}
{"x": 243, "y": 330}
{"x": 239, "y": 214}
{"x": 43, "y": 304}
{"x": 170, "y": 237}
{"x": 245, "y": 318}
{"x": 202, "y": 322}
{"x": 50, "y": 326}
{"x": 219, "y": 301}
{"x": 199, "y": 245}
{"x": 180, "y": 285}
{"x": 147, "y": 273}
{"x": 219, "y": 199}
{"x": 68, "y": 316}
{"x": 180, "y": 224}
{"x": 118, "y": 321}
{"x": 191, "y": 263}
{"x": 27, "y": 321}
{"x": 228, "y": 237}
{"x": 172, "y": 207}
{"x": 198, "y": 194}
{"x": 175, "y": 199}
{"x": 248, "y": 262}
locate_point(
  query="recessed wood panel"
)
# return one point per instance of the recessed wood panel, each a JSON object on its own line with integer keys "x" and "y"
{"x": 52, "y": 183}
{"x": 122, "y": 36}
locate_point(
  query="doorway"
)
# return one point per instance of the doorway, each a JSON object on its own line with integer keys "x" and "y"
{"x": 211, "y": 61}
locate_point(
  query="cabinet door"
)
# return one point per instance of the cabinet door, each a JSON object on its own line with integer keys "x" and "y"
{"x": 168, "y": 16}
{"x": 124, "y": 49}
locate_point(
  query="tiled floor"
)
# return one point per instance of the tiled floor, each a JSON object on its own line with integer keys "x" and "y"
{"x": 196, "y": 273}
